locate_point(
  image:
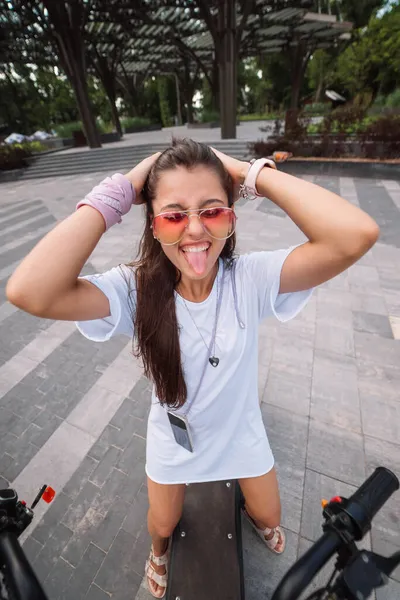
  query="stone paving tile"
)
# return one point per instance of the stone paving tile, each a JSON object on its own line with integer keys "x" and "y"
{"x": 329, "y": 381}
{"x": 389, "y": 592}
{"x": 14, "y": 208}
{"x": 288, "y": 391}
{"x": 19, "y": 330}
{"x": 316, "y": 487}
{"x": 380, "y": 418}
{"x": 335, "y": 399}
{"x": 287, "y": 433}
{"x": 336, "y": 452}
{"x": 371, "y": 304}
{"x": 384, "y": 211}
{"x": 385, "y": 529}
{"x": 25, "y": 214}
{"x": 19, "y": 252}
{"x": 334, "y": 338}
{"x": 37, "y": 405}
{"x": 262, "y": 569}
{"x": 269, "y": 207}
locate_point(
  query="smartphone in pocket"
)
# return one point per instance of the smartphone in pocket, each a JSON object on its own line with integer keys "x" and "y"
{"x": 180, "y": 429}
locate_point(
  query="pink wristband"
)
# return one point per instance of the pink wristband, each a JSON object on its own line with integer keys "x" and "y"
{"x": 113, "y": 197}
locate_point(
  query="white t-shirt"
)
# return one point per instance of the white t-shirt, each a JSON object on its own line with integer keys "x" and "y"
{"x": 229, "y": 438}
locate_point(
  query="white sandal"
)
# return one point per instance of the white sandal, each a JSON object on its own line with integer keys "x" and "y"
{"x": 153, "y": 576}
{"x": 279, "y": 535}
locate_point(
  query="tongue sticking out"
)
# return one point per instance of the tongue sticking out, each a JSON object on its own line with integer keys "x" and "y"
{"x": 197, "y": 260}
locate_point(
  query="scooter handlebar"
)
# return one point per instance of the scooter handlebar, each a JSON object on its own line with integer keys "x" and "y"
{"x": 361, "y": 507}
{"x": 304, "y": 570}
{"x": 364, "y": 504}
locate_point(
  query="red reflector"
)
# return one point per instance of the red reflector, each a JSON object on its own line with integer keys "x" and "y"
{"x": 336, "y": 499}
{"x": 48, "y": 494}
{"x": 23, "y": 502}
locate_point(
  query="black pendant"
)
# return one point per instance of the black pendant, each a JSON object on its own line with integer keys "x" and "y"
{"x": 214, "y": 361}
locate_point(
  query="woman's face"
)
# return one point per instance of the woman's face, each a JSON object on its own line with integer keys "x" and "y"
{"x": 180, "y": 189}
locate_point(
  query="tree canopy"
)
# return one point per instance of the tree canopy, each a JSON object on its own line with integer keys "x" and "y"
{"x": 70, "y": 59}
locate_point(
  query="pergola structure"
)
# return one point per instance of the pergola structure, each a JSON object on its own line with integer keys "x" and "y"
{"x": 141, "y": 38}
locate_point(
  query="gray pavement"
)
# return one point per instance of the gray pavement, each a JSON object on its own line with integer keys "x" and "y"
{"x": 246, "y": 131}
{"x": 73, "y": 413}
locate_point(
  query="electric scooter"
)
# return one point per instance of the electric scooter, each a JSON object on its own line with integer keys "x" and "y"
{"x": 214, "y": 542}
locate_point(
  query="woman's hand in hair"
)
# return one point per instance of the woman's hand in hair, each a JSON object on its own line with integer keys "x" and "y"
{"x": 138, "y": 175}
{"x": 237, "y": 169}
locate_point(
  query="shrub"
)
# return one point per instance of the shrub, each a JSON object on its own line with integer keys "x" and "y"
{"x": 209, "y": 116}
{"x": 14, "y": 156}
{"x": 386, "y": 104}
{"x": 376, "y": 138}
{"x": 381, "y": 138}
{"x": 104, "y": 126}
{"x": 33, "y": 147}
{"x": 260, "y": 117}
{"x": 385, "y": 129}
{"x": 317, "y": 108}
{"x": 65, "y": 130}
{"x": 343, "y": 120}
{"x": 296, "y": 125}
{"x": 135, "y": 122}
{"x": 393, "y": 100}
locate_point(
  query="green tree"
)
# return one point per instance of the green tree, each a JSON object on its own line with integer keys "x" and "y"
{"x": 34, "y": 98}
{"x": 165, "y": 107}
{"x": 319, "y": 72}
{"x": 372, "y": 63}
{"x": 359, "y": 12}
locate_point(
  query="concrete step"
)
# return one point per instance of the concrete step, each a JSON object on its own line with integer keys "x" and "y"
{"x": 125, "y": 157}
{"x": 104, "y": 156}
{"x": 108, "y": 160}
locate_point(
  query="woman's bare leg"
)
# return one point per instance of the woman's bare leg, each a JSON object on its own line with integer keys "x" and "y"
{"x": 166, "y": 503}
{"x": 263, "y": 502}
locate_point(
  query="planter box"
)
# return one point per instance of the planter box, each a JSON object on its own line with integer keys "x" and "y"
{"x": 108, "y": 138}
{"x": 315, "y": 147}
{"x": 79, "y": 138}
{"x": 141, "y": 128}
{"x": 342, "y": 168}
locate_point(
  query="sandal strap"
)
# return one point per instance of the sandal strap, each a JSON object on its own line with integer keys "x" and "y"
{"x": 272, "y": 542}
{"x": 155, "y": 577}
{"x": 159, "y": 560}
{"x": 278, "y": 533}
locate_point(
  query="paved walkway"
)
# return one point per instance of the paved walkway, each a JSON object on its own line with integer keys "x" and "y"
{"x": 73, "y": 413}
{"x": 247, "y": 131}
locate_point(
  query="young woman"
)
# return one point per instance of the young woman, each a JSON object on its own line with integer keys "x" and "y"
{"x": 193, "y": 310}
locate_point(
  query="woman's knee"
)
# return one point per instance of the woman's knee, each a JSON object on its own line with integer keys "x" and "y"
{"x": 163, "y": 526}
{"x": 166, "y": 505}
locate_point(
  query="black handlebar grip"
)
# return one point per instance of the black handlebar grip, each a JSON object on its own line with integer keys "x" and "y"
{"x": 363, "y": 505}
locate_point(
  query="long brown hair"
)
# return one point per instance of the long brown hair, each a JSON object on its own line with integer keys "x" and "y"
{"x": 156, "y": 339}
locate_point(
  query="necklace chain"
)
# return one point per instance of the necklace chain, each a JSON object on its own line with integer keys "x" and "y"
{"x": 195, "y": 324}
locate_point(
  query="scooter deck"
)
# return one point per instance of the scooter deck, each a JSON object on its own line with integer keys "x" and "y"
{"x": 206, "y": 555}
